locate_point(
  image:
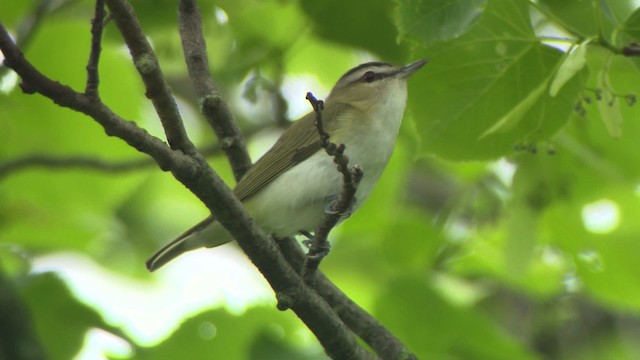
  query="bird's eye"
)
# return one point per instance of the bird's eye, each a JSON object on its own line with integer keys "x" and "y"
{"x": 369, "y": 76}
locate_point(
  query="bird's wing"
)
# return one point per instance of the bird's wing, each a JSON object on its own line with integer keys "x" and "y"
{"x": 297, "y": 143}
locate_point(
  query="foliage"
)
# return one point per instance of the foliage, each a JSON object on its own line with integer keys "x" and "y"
{"x": 502, "y": 229}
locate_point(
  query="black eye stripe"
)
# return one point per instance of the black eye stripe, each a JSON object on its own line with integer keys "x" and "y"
{"x": 369, "y": 76}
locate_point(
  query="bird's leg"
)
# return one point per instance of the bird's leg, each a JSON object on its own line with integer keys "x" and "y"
{"x": 307, "y": 243}
{"x": 330, "y": 206}
{"x": 317, "y": 251}
{"x": 321, "y": 252}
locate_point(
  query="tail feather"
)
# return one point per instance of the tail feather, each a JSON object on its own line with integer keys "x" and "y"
{"x": 201, "y": 235}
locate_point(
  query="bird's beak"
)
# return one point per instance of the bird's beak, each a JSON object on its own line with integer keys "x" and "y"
{"x": 408, "y": 70}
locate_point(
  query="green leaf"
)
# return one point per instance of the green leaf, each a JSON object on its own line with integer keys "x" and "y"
{"x": 609, "y": 105}
{"x": 219, "y": 335}
{"x": 632, "y": 25}
{"x": 364, "y": 25}
{"x": 435, "y": 329}
{"x": 412, "y": 230}
{"x": 440, "y": 20}
{"x": 513, "y": 117}
{"x": 481, "y": 95}
{"x": 580, "y": 17}
{"x": 14, "y": 12}
{"x": 574, "y": 61}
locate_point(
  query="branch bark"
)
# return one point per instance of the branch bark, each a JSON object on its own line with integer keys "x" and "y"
{"x": 146, "y": 62}
{"x": 378, "y": 337}
{"x": 214, "y": 108}
{"x": 93, "y": 76}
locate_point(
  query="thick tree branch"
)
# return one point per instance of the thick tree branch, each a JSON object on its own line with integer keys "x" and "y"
{"x": 342, "y": 205}
{"x": 195, "y": 173}
{"x": 378, "y": 337}
{"x": 157, "y": 89}
{"x": 214, "y": 108}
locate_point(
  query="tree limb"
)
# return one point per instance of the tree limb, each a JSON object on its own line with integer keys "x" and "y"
{"x": 378, "y": 337}
{"x": 157, "y": 89}
{"x": 35, "y": 82}
{"x": 214, "y": 108}
{"x": 90, "y": 162}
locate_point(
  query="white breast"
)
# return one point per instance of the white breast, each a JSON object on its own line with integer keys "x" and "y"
{"x": 296, "y": 199}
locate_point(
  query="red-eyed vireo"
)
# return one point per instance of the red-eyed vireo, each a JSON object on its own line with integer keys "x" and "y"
{"x": 289, "y": 188}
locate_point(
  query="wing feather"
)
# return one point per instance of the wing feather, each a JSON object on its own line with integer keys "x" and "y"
{"x": 297, "y": 143}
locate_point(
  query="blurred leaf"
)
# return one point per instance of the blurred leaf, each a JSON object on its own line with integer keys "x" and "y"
{"x": 14, "y": 11}
{"x": 61, "y": 320}
{"x": 432, "y": 328}
{"x": 440, "y": 20}
{"x": 580, "y": 17}
{"x": 367, "y": 26}
{"x": 220, "y": 335}
{"x": 412, "y": 243}
{"x": 609, "y": 105}
{"x": 632, "y": 25}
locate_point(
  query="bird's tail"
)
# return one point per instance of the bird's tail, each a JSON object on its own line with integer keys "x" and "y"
{"x": 204, "y": 234}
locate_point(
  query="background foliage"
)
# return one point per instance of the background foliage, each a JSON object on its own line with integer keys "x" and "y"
{"x": 503, "y": 228}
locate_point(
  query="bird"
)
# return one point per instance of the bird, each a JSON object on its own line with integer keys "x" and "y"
{"x": 289, "y": 189}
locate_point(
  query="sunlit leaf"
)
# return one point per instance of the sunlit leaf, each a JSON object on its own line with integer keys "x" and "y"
{"x": 441, "y": 20}
{"x": 609, "y": 105}
{"x": 574, "y": 61}
{"x": 218, "y": 334}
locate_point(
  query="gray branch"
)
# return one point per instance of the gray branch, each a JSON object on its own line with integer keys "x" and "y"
{"x": 214, "y": 108}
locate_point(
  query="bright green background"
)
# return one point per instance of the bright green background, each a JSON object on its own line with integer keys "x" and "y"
{"x": 457, "y": 257}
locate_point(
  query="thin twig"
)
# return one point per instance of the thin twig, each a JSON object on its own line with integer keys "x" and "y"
{"x": 92, "y": 163}
{"x": 34, "y": 81}
{"x": 340, "y": 207}
{"x": 13, "y": 166}
{"x": 214, "y": 108}
{"x": 93, "y": 76}
{"x": 157, "y": 89}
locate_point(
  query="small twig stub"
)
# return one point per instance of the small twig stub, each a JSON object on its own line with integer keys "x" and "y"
{"x": 320, "y": 246}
